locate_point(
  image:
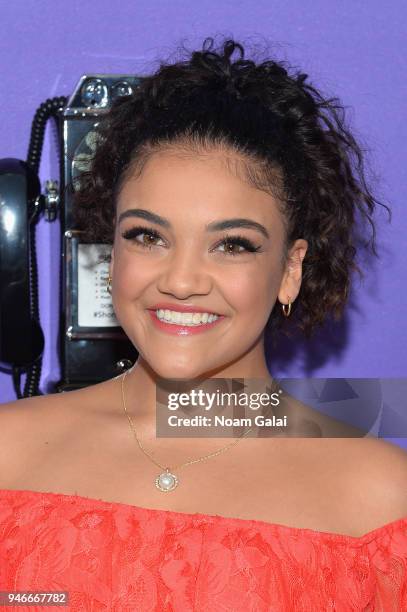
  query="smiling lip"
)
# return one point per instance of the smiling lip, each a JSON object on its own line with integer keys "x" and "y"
{"x": 181, "y": 308}
{"x": 183, "y": 330}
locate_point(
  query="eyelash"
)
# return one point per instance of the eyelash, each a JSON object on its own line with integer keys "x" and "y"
{"x": 133, "y": 232}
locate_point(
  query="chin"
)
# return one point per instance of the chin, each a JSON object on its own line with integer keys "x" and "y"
{"x": 181, "y": 372}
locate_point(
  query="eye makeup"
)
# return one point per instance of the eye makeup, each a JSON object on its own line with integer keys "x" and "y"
{"x": 229, "y": 241}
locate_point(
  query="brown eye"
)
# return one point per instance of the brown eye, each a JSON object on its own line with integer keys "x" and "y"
{"x": 148, "y": 239}
{"x": 149, "y": 236}
{"x": 233, "y": 248}
{"x": 238, "y": 245}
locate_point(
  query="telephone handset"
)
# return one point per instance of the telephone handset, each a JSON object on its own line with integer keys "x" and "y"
{"x": 21, "y": 203}
{"x": 21, "y": 336}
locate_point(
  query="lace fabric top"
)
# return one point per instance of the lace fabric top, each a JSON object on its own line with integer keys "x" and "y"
{"x": 117, "y": 557}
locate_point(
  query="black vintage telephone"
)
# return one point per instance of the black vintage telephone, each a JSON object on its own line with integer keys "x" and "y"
{"x": 92, "y": 346}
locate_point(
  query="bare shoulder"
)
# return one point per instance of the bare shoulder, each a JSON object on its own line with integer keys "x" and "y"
{"x": 27, "y": 425}
{"x": 15, "y": 416}
{"x": 22, "y": 420}
{"x": 381, "y": 459}
{"x": 377, "y": 480}
{"x": 21, "y": 415}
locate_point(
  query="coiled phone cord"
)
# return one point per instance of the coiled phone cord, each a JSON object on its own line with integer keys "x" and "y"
{"x": 52, "y": 107}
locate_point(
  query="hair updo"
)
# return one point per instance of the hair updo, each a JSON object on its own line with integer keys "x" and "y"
{"x": 282, "y": 136}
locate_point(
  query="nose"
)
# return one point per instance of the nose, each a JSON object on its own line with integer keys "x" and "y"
{"x": 185, "y": 274}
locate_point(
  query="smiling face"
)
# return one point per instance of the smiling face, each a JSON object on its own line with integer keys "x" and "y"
{"x": 181, "y": 257}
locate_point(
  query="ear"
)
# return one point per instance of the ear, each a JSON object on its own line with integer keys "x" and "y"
{"x": 292, "y": 276}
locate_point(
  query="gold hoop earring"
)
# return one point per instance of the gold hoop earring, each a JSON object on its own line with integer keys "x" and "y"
{"x": 109, "y": 285}
{"x": 288, "y": 311}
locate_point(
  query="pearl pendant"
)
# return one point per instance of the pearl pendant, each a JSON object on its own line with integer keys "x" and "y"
{"x": 166, "y": 481}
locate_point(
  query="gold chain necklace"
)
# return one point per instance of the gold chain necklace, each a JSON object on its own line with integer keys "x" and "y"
{"x": 167, "y": 480}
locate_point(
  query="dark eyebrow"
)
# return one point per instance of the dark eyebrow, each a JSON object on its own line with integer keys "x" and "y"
{"x": 231, "y": 223}
{"x": 145, "y": 214}
{"x": 211, "y": 227}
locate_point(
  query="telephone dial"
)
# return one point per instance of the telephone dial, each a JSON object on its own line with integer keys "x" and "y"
{"x": 92, "y": 346}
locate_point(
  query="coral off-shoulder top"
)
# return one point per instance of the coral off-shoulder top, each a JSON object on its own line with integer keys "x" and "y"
{"x": 118, "y": 557}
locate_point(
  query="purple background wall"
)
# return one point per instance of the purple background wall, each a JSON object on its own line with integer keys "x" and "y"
{"x": 354, "y": 50}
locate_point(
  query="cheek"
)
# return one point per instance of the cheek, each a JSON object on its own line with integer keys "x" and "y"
{"x": 252, "y": 292}
{"x": 130, "y": 278}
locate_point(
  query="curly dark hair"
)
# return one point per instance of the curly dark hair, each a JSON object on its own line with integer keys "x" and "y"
{"x": 286, "y": 138}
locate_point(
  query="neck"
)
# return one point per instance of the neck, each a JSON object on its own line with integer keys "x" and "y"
{"x": 143, "y": 383}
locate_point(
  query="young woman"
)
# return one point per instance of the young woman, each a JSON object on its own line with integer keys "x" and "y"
{"x": 229, "y": 192}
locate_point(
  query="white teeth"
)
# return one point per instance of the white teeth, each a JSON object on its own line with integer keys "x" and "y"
{"x": 185, "y": 318}
{"x": 176, "y": 317}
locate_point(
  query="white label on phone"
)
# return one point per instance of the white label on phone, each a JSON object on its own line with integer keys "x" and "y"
{"x": 95, "y": 308}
